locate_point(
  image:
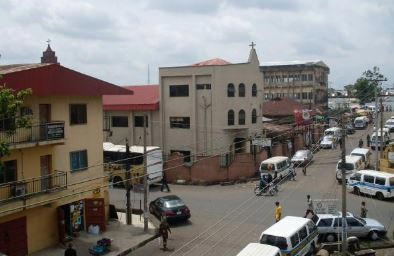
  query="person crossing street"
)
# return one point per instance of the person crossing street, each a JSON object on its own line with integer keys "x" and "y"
{"x": 309, "y": 208}
{"x": 278, "y": 212}
{"x": 164, "y": 228}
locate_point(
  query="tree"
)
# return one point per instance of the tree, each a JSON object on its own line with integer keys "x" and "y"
{"x": 10, "y": 119}
{"x": 367, "y": 84}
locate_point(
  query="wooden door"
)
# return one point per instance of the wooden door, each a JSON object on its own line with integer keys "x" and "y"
{"x": 44, "y": 117}
{"x": 13, "y": 237}
{"x": 61, "y": 220}
{"x": 45, "y": 166}
{"x": 95, "y": 213}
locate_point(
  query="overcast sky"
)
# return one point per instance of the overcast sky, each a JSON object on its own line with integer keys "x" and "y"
{"x": 116, "y": 40}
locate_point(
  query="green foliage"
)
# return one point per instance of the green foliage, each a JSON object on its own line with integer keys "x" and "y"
{"x": 367, "y": 84}
{"x": 10, "y": 103}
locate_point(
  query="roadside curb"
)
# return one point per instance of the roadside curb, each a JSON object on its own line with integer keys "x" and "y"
{"x": 130, "y": 250}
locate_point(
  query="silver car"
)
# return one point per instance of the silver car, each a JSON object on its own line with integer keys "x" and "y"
{"x": 327, "y": 142}
{"x": 302, "y": 157}
{"x": 329, "y": 227}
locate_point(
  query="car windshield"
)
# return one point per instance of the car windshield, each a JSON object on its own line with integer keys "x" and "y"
{"x": 277, "y": 241}
{"x": 390, "y": 123}
{"x": 359, "y": 121}
{"x": 329, "y": 133}
{"x": 315, "y": 218}
{"x": 264, "y": 167}
{"x": 174, "y": 203}
{"x": 358, "y": 154}
{"x": 348, "y": 166}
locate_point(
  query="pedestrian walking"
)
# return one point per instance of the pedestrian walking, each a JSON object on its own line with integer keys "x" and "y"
{"x": 70, "y": 251}
{"x": 278, "y": 212}
{"x": 363, "y": 213}
{"x": 304, "y": 170}
{"x": 340, "y": 143}
{"x": 368, "y": 140}
{"x": 309, "y": 206}
{"x": 164, "y": 183}
{"x": 164, "y": 228}
{"x": 360, "y": 143}
{"x": 293, "y": 173}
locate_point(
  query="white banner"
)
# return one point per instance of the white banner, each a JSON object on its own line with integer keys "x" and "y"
{"x": 325, "y": 206}
{"x": 262, "y": 142}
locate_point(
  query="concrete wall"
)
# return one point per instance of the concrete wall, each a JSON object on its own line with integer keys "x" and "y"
{"x": 117, "y": 135}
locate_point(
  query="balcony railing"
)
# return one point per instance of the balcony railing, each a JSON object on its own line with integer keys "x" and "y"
{"x": 24, "y": 189}
{"x": 36, "y": 133}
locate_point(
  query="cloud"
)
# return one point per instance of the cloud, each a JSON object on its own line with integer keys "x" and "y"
{"x": 116, "y": 40}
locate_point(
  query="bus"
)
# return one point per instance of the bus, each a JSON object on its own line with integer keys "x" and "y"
{"x": 115, "y": 167}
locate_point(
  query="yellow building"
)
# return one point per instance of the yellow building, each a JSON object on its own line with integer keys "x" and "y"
{"x": 47, "y": 182}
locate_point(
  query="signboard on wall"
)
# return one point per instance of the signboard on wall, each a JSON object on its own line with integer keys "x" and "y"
{"x": 325, "y": 206}
{"x": 262, "y": 142}
{"x": 55, "y": 131}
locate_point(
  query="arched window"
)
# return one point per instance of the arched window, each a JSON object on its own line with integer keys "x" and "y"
{"x": 254, "y": 116}
{"x": 241, "y": 90}
{"x": 241, "y": 117}
{"x": 230, "y": 117}
{"x": 254, "y": 90}
{"x": 230, "y": 90}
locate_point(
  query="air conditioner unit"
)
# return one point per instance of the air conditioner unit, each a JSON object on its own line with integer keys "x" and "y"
{"x": 19, "y": 190}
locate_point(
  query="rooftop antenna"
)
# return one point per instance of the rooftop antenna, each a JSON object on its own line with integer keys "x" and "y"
{"x": 148, "y": 75}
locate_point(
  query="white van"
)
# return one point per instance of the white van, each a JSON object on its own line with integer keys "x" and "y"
{"x": 256, "y": 249}
{"x": 352, "y": 165}
{"x": 336, "y": 132}
{"x": 379, "y": 140}
{"x": 365, "y": 154}
{"x": 374, "y": 183}
{"x": 292, "y": 235}
{"x": 360, "y": 122}
{"x": 279, "y": 164}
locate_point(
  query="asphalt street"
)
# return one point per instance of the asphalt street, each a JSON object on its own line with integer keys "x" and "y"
{"x": 227, "y": 218}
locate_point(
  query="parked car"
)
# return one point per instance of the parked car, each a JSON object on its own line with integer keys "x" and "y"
{"x": 329, "y": 227}
{"x": 374, "y": 183}
{"x": 350, "y": 129}
{"x": 327, "y": 142}
{"x": 390, "y": 125}
{"x": 171, "y": 206}
{"x": 302, "y": 157}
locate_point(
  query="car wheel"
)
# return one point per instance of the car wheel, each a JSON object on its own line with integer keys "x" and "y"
{"x": 331, "y": 238}
{"x": 380, "y": 196}
{"x": 356, "y": 191}
{"x": 373, "y": 236}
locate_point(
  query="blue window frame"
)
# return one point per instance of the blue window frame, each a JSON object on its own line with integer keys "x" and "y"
{"x": 78, "y": 160}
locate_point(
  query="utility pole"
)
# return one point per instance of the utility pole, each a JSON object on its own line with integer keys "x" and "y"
{"x": 381, "y": 127}
{"x": 343, "y": 171}
{"x": 145, "y": 181}
{"x": 128, "y": 185}
{"x": 205, "y": 107}
{"x": 376, "y": 130}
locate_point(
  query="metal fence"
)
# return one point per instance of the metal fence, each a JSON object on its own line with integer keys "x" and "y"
{"x": 27, "y": 188}
{"x": 36, "y": 133}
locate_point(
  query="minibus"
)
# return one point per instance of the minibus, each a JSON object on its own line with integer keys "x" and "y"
{"x": 279, "y": 164}
{"x": 352, "y": 165}
{"x": 292, "y": 235}
{"x": 374, "y": 183}
{"x": 256, "y": 249}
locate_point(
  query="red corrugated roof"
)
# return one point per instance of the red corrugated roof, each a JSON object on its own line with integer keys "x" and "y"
{"x": 145, "y": 97}
{"x": 55, "y": 80}
{"x": 211, "y": 62}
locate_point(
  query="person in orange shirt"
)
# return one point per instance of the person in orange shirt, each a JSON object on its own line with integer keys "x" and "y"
{"x": 278, "y": 212}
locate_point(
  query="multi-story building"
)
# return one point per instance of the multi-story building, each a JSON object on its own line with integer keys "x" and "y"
{"x": 306, "y": 82}
{"x": 123, "y": 116}
{"x": 52, "y": 183}
{"x": 210, "y": 107}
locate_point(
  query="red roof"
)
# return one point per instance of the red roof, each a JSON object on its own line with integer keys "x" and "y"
{"x": 212, "y": 62}
{"x": 145, "y": 97}
{"x": 281, "y": 107}
{"x": 55, "y": 80}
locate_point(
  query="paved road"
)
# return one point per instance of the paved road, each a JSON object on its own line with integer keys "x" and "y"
{"x": 243, "y": 216}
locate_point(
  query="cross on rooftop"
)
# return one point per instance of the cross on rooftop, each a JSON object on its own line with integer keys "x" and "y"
{"x": 252, "y": 45}
{"x": 48, "y": 41}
